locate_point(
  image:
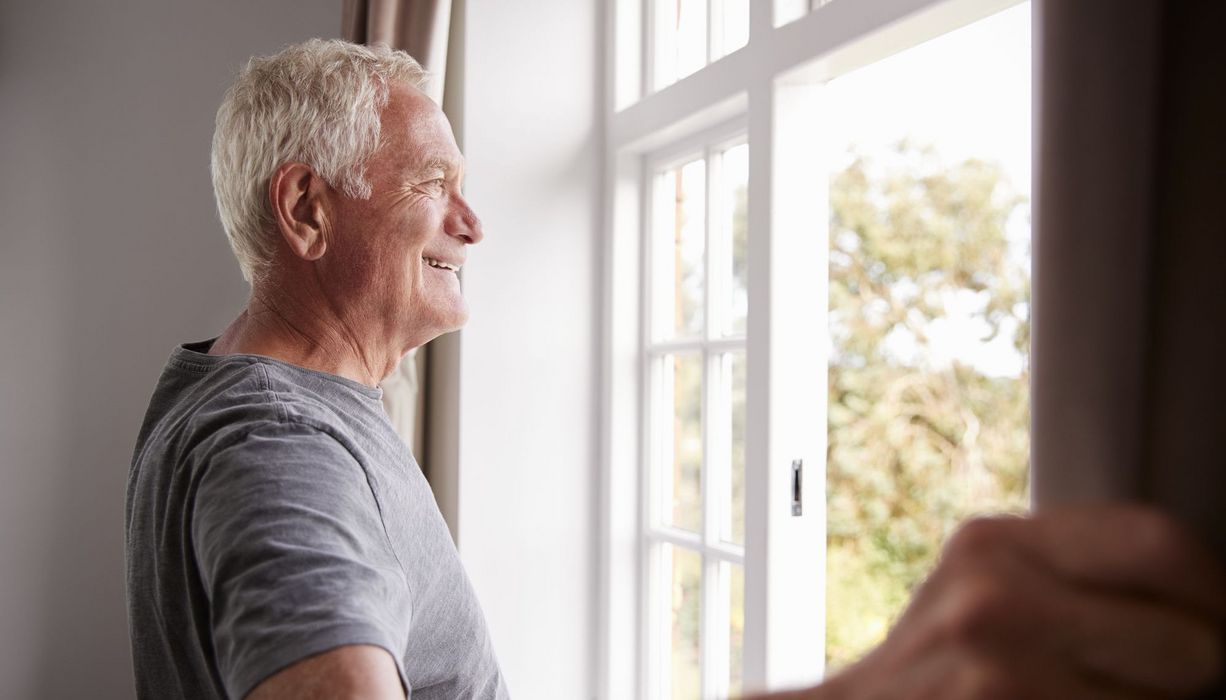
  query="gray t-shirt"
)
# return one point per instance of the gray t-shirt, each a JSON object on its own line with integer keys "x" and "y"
{"x": 272, "y": 514}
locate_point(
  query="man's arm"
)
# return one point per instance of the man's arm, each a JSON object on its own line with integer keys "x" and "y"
{"x": 354, "y": 672}
{"x": 293, "y": 555}
{"x": 1091, "y": 602}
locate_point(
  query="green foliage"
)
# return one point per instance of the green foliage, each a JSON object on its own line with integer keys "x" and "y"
{"x": 916, "y": 443}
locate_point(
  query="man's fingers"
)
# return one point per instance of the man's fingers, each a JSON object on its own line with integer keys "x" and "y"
{"x": 1129, "y": 642}
{"x": 1121, "y": 594}
{"x": 1122, "y": 549}
{"x": 1092, "y": 602}
{"x": 1062, "y": 684}
{"x": 951, "y": 674}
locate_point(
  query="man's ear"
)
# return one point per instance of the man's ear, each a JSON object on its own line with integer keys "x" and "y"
{"x": 299, "y": 198}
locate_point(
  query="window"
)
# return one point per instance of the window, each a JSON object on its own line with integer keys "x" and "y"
{"x": 817, "y": 300}
{"x": 688, "y": 34}
{"x": 695, "y": 371}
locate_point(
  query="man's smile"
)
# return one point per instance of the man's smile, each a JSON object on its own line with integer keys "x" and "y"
{"x": 432, "y": 262}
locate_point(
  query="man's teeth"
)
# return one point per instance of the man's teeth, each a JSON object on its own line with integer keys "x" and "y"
{"x": 441, "y": 265}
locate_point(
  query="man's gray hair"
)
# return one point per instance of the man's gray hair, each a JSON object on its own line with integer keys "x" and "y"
{"x": 317, "y": 103}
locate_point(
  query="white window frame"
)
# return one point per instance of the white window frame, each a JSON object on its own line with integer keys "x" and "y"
{"x": 707, "y": 146}
{"x": 767, "y": 88}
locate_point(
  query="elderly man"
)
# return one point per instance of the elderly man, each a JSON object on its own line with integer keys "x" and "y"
{"x": 282, "y": 542}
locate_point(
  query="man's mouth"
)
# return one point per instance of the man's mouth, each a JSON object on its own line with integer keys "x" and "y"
{"x": 440, "y": 264}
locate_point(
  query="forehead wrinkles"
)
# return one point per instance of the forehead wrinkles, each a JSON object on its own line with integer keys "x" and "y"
{"x": 416, "y": 137}
{"x": 417, "y": 145}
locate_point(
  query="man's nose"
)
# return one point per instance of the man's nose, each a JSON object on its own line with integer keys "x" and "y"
{"x": 463, "y": 222}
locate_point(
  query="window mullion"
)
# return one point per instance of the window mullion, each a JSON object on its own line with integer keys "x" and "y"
{"x": 634, "y": 220}
{"x": 651, "y": 613}
{"x": 761, "y": 20}
{"x": 715, "y": 345}
{"x": 785, "y": 593}
{"x": 757, "y": 355}
{"x": 722, "y": 551}
{"x": 649, "y": 48}
{"x": 709, "y": 507}
{"x": 715, "y": 647}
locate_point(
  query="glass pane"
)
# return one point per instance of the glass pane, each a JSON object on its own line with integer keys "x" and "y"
{"x": 682, "y": 440}
{"x": 728, "y": 426}
{"x": 733, "y": 32}
{"x": 736, "y": 628}
{"x": 929, "y": 312}
{"x": 737, "y": 511}
{"x": 680, "y": 246}
{"x": 733, "y": 229}
{"x": 685, "y": 610}
{"x": 681, "y": 39}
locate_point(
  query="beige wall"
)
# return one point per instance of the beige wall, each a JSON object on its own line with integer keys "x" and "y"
{"x": 110, "y": 254}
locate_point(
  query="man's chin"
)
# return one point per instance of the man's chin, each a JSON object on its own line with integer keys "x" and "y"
{"x": 450, "y": 322}
{"x": 457, "y": 318}
{"x": 454, "y": 326}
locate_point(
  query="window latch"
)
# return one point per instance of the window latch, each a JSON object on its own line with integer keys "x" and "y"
{"x": 797, "y": 468}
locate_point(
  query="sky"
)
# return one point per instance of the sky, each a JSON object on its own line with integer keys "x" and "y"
{"x": 968, "y": 93}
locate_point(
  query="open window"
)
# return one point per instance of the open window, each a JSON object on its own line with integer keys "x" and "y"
{"x": 818, "y": 310}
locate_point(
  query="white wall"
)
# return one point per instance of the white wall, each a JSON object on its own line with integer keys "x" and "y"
{"x": 529, "y": 356}
{"x": 110, "y": 254}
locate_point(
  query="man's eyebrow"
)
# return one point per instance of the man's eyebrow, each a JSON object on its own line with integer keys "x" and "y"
{"x": 439, "y": 163}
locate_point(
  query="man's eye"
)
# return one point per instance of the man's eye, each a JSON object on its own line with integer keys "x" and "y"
{"x": 433, "y": 187}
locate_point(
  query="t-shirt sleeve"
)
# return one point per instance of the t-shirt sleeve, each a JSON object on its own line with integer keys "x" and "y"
{"x": 293, "y": 555}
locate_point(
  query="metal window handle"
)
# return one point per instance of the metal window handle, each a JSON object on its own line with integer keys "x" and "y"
{"x": 797, "y": 468}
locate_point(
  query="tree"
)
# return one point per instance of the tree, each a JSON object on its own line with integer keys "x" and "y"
{"x": 917, "y": 441}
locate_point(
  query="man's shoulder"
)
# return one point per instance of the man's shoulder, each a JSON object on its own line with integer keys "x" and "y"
{"x": 200, "y": 410}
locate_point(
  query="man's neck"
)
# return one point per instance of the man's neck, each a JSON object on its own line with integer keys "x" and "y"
{"x": 294, "y": 330}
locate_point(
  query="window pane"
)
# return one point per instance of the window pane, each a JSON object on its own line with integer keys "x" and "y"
{"x": 733, "y": 231}
{"x": 733, "y": 32}
{"x": 681, "y": 438}
{"x": 736, "y": 631}
{"x": 679, "y": 232}
{"x": 680, "y": 41}
{"x": 685, "y": 614}
{"x": 729, "y": 411}
{"x": 929, "y": 312}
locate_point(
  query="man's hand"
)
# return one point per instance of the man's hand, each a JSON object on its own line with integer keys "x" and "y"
{"x": 1091, "y": 602}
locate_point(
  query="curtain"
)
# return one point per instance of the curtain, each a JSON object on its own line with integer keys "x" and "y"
{"x": 423, "y": 29}
{"x": 1129, "y": 351}
{"x": 419, "y": 27}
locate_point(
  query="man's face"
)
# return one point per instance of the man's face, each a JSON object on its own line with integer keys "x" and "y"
{"x": 397, "y": 253}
